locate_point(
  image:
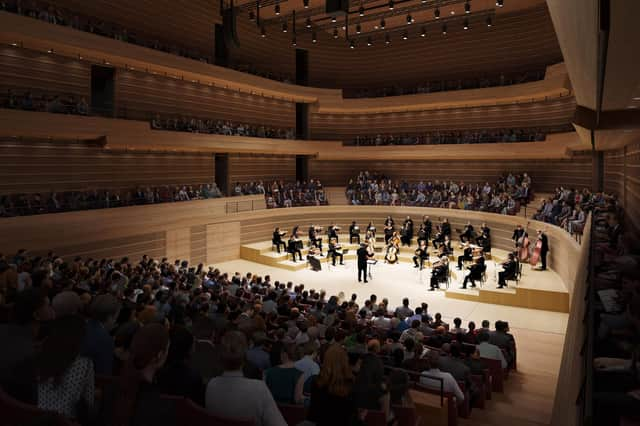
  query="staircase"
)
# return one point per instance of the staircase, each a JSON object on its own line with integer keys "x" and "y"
{"x": 534, "y": 205}
{"x": 335, "y": 195}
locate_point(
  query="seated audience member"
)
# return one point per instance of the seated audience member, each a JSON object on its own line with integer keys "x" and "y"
{"x": 399, "y": 389}
{"x": 176, "y": 376}
{"x": 502, "y": 339}
{"x": 65, "y": 379}
{"x": 283, "y": 379}
{"x": 67, "y": 303}
{"x": 18, "y": 340}
{"x": 370, "y": 390}
{"x": 205, "y": 359}
{"x": 487, "y": 350}
{"x": 307, "y": 364}
{"x": 332, "y": 401}
{"x": 98, "y": 343}
{"x": 449, "y": 382}
{"x": 233, "y": 396}
{"x": 139, "y": 400}
{"x": 413, "y": 333}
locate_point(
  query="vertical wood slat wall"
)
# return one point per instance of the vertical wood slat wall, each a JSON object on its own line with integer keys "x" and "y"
{"x": 253, "y": 168}
{"x": 43, "y": 166}
{"x": 622, "y": 178}
{"x": 546, "y": 174}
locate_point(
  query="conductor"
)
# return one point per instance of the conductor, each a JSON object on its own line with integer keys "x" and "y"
{"x": 363, "y": 255}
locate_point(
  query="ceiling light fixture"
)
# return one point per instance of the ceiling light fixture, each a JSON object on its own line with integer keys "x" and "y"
{"x": 409, "y": 19}
{"x": 314, "y": 39}
{"x": 294, "y": 41}
{"x": 382, "y": 23}
{"x": 369, "y": 41}
{"x": 467, "y": 7}
{"x": 387, "y": 39}
{"x": 277, "y": 9}
{"x": 436, "y": 13}
{"x": 466, "y": 24}
{"x": 424, "y": 32}
{"x": 263, "y": 33}
{"x": 358, "y": 29}
{"x": 335, "y": 32}
{"x": 306, "y": 4}
{"x": 308, "y": 24}
{"x": 361, "y": 11}
{"x": 489, "y": 23}
{"x": 352, "y": 45}
{"x": 500, "y": 3}
{"x": 391, "y": 5}
{"x": 405, "y": 36}
{"x": 284, "y": 27}
{"x": 444, "y": 29}
{"x": 333, "y": 19}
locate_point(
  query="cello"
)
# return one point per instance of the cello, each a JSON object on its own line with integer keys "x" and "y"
{"x": 523, "y": 245}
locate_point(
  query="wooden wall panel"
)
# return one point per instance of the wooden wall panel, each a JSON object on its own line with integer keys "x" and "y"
{"x": 40, "y": 72}
{"x": 38, "y": 166}
{"x": 252, "y": 168}
{"x": 140, "y": 96}
{"x": 198, "y": 244}
{"x": 178, "y": 243}
{"x": 632, "y": 188}
{"x": 188, "y": 23}
{"x": 556, "y": 112}
{"x": 223, "y": 242}
{"x": 614, "y": 163}
{"x": 546, "y": 174}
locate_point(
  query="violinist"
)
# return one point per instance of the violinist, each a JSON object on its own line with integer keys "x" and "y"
{"x": 446, "y": 227}
{"x": 371, "y": 228}
{"x": 475, "y": 272}
{"x": 510, "y": 268}
{"x": 439, "y": 272}
{"x": 335, "y": 250}
{"x": 428, "y": 227}
{"x": 421, "y": 255}
{"x": 467, "y": 233}
{"x": 314, "y": 238}
{"x": 333, "y": 232}
{"x": 438, "y": 238}
{"x": 313, "y": 258}
{"x": 354, "y": 232}
{"x": 484, "y": 239}
{"x": 293, "y": 247}
{"x": 276, "y": 240}
{"x": 467, "y": 254}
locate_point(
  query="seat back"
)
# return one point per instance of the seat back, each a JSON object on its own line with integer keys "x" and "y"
{"x": 293, "y": 414}
{"x": 496, "y": 373}
{"x": 16, "y": 413}
{"x": 375, "y": 418}
{"x": 406, "y": 416}
{"x": 191, "y": 414}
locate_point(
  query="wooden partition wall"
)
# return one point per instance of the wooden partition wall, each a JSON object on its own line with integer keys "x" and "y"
{"x": 622, "y": 178}
{"x": 546, "y": 174}
{"x": 246, "y": 168}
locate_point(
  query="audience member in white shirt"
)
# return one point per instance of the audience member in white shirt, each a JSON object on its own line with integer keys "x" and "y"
{"x": 449, "y": 383}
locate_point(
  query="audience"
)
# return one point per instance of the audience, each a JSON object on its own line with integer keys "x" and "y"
{"x": 460, "y": 136}
{"x": 504, "y": 197}
{"x": 159, "y": 328}
{"x": 46, "y": 102}
{"x": 219, "y": 127}
{"x": 280, "y": 194}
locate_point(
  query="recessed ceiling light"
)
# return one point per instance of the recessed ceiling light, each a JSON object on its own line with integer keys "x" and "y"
{"x": 637, "y": 98}
{"x": 14, "y": 44}
{"x": 632, "y": 107}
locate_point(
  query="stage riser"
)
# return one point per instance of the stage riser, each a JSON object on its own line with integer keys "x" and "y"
{"x": 522, "y": 298}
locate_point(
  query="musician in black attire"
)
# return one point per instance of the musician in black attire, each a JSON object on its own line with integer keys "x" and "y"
{"x": 363, "y": 256}
{"x": 333, "y": 232}
{"x": 475, "y": 273}
{"x": 420, "y": 256}
{"x": 315, "y": 239}
{"x": 277, "y": 239}
{"x": 335, "y": 251}
{"x": 439, "y": 272}
{"x": 354, "y": 232}
{"x": 408, "y": 225}
{"x": 404, "y": 235}
{"x": 388, "y": 229}
{"x": 484, "y": 239}
{"x": 438, "y": 239}
{"x": 517, "y": 234}
{"x": 422, "y": 234}
{"x": 467, "y": 254}
{"x": 446, "y": 228}
{"x": 544, "y": 249}
{"x": 428, "y": 226}
{"x": 510, "y": 270}
{"x": 468, "y": 233}
{"x": 294, "y": 248}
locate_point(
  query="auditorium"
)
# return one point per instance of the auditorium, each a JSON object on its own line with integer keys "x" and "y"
{"x": 319, "y": 213}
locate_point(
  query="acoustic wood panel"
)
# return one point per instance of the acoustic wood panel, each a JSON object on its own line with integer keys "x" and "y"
{"x": 223, "y": 242}
{"x": 37, "y": 166}
{"x": 188, "y": 23}
{"x": 178, "y": 243}
{"x": 614, "y": 163}
{"x": 198, "y": 244}
{"x": 632, "y": 188}
{"x": 267, "y": 168}
{"x": 141, "y": 95}
{"x": 556, "y": 112}
{"x": 39, "y": 72}
{"x": 546, "y": 174}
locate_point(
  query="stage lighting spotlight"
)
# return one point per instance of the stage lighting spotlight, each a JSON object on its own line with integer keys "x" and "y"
{"x": 361, "y": 10}
{"x": 489, "y": 23}
{"x": 444, "y": 29}
{"x": 358, "y": 29}
{"x": 335, "y": 33}
{"x": 467, "y": 7}
{"x": 308, "y": 23}
{"x": 277, "y": 9}
{"x": 314, "y": 39}
{"x": 466, "y": 24}
{"x": 284, "y": 27}
{"x": 369, "y": 41}
{"x": 387, "y": 39}
{"x": 436, "y": 13}
{"x": 352, "y": 45}
{"x": 382, "y": 23}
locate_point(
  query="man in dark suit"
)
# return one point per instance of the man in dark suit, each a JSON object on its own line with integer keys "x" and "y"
{"x": 475, "y": 273}
{"x": 294, "y": 249}
{"x": 446, "y": 228}
{"x": 314, "y": 238}
{"x": 509, "y": 272}
{"x": 517, "y": 234}
{"x": 354, "y": 232}
{"x": 277, "y": 240}
{"x": 428, "y": 227}
{"x": 335, "y": 251}
{"x": 544, "y": 248}
{"x": 467, "y": 254}
{"x": 363, "y": 256}
{"x": 333, "y": 232}
{"x": 468, "y": 233}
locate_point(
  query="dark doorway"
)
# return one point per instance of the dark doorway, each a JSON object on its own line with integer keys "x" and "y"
{"x": 302, "y": 121}
{"x": 302, "y": 168}
{"x": 102, "y": 90}
{"x": 302, "y": 67}
{"x": 220, "y": 47}
{"x": 222, "y": 173}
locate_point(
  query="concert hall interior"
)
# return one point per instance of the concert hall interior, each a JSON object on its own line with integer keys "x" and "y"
{"x": 319, "y": 212}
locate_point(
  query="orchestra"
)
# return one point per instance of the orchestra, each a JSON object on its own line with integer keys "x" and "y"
{"x": 354, "y": 232}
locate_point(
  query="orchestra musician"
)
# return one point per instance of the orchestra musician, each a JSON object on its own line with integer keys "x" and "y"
{"x": 438, "y": 237}
{"x": 276, "y": 240}
{"x": 439, "y": 272}
{"x": 314, "y": 260}
{"x": 446, "y": 227}
{"x": 393, "y": 248}
{"x": 408, "y": 231}
{"x": 484, "y": 239}
{"x": 467, "y": 233}
{"x": 421, "y": 255}
{"x": 295, "y": 231}
{"x": 475, "y": 272}
{"x": 523, "y": 250}
{"x": 294, "y": 247}
{"x": 354, "y": 232}
{"x": 428, "y": 227}
{"x": 467, "y": 254}
{"x": 333, "y": 232}
{"x": 510, "y": 268}
{"x": 363, "y": 256}
{"x": 517, "y": 234}
{"x": 543, "y": 245}
{"x": 335, "y": 250}
{"x": 314, "y": 238}
{"x": 422, "y": 234}
{"x": 388, "y": 233}
{"x": 372, "y": 229}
